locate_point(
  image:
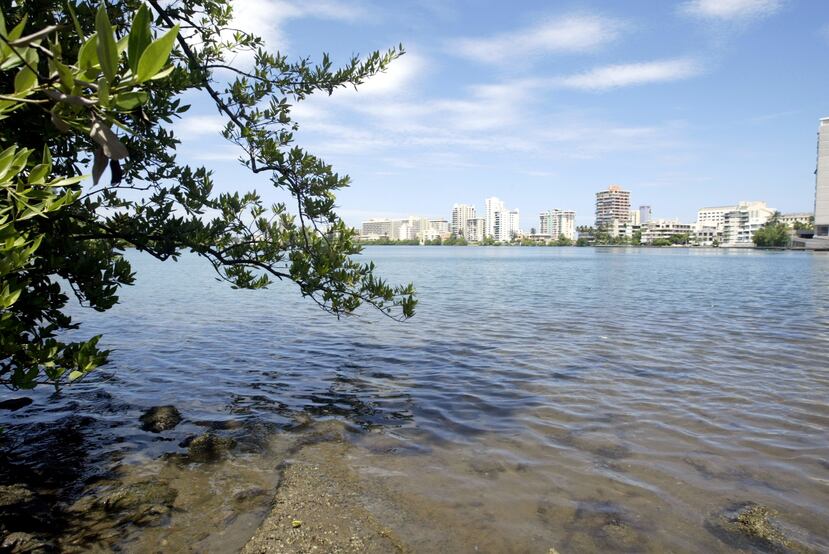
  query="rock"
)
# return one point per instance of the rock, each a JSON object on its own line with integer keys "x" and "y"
{"x": 138, "y": 497}
{"x": 209, "y": 447}
{"x": 750, "y": 524}
{"x": 15, "y": 403}
{"x": 24, "y": 542}
{"x": 11, "y": 495}
{"x": 160, "y": 418}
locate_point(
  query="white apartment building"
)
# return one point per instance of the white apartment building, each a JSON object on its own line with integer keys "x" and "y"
{"x": 461, "y": 213}
{"x": 664, "y": 229}
{"x": 501, "y": 224}
{"x": 822, "y": 181}
{"x": 635, "y": 218}
{"x": 475, "y": 229}
{"x": 741, "y": 223}
{"x": 554, "y": 223}
{"x": 413, "y": 228}
{"x": 713, "y": 217}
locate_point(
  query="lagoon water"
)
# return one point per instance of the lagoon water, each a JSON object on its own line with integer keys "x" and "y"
{"x": 587, "y": 400}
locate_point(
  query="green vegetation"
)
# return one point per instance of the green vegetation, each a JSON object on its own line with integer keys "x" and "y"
{"x": 773, "y": 234}
{"x": 98, "y": 86}
{"x": 810, "y": 226}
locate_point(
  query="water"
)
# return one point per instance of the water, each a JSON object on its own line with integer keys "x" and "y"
{"x": 575, "y": 398}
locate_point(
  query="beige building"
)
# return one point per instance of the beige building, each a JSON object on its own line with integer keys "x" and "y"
{"x": 475, "y": 229}
{"x": 613, "y": 203}
{"x": 664, "y": 229}
{"x": 741, "y": 223}
{"x": 804, "y": 218}
{"x": 554, "y": 223}
{"x": 461, "y": 213}
{"x": 822, "y": 181}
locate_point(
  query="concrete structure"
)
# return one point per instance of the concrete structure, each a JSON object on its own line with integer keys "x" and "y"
{"x": 461, "y": 213}
{"x": 493, "y": 207}
{"x": 413, "y": 228}
{"x": 645, "y": 214}
{"x": 664, "y": 229}
{"x": 555, "y": 223}
{"x": 475, "y": 229}
{"x": 822, "y": 181}
{"x": 613, "y": 203}
{"x": 741, "y": 223}
{"x": 634, "y": 218}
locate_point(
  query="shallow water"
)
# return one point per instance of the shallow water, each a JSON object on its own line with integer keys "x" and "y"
{"x": 581, "y": 399}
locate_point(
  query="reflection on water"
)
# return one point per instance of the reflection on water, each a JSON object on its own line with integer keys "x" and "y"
{"x": 586, "y": 400}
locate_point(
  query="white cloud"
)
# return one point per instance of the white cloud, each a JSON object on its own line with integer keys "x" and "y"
{"x": 266, "y": 18}
{"x": 623, "y": 75}
{"x": 568, "y": 34}
{"x": 193, "y": 126}
{"x": 731, "y": 10}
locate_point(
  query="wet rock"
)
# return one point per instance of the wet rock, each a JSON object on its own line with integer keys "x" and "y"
{"x": 11, "y": 495}
{"x": 209, "y": 447}
{"x": 141, "y": 495}
{"x": 160, "y": 418}
{"x": 250, "y": 494}
{"x": 24, "y": 542}
{"x": 750, "y": 524}
{"x": 15, "y": 403}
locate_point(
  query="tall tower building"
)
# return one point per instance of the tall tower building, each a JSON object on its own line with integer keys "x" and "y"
{"x": 822, "y": 181}
{"x": 461, "y": 213}
{"x": 613, "y": 203}
{"x": 645, "y": 214}
{"x": 494, "y": 208}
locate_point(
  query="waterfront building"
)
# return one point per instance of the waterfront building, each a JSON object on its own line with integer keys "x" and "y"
{"x": 790, "y": 219}
{"x": 634, "y": 218}
{"x": 664, "y": 229}
{"x": 822, "y": 181}
{"x": 375, "y": 229}
{"x": 613, "y": 203}
{"x": 461, "y": 213}
{"x": 740, "y": 223}
{"x": 440, "y": 226}
{"x": 502, "y": 225}
{"x": 555, "y": 223}
{"x": 645, "y": 214}
{"x": 475, "y": 229}
{"x": 713, "y": 217}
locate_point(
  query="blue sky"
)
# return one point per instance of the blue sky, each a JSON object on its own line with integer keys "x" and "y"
{"x": 686, "y": 103}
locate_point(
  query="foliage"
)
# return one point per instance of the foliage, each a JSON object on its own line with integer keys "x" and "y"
{"x": 104, "y": 95}
{"x": 455, "y": 240}
{"x": 563, "y": 241}
{"x": 773, "y": 234}
{"x": 808, "y": 226}
{"x": 661, "y": 242}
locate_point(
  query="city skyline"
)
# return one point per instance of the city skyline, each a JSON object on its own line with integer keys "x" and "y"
{"x": 678, "y": 102}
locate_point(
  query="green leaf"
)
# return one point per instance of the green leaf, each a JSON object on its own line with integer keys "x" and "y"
{"x": 140, "y": 37}
{"x": 67, "y": 78}
{"x": 25, "y": 80}
{"x": 75, "y": 375}
{"x": 107, "y": 47}
{"x": 38, "y": 174}
{"x": 130, "y": 100}
{"x": 75, "y": 21}
{"x": 156, "y": 55}
{"x": 88, "y": 54}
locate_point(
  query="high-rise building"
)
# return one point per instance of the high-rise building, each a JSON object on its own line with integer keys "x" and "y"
{"x": 502, "y": 224}
{"x": 645, "y": 214}
{"x": 613, "y": 203}
{"x": 634, "y": 218}
{"x": 822, "y": 181}
{"x": 461, "y": 213}
{"x": 475, "y": 229}
{"x": 494, "y": 207}
{"x": 555, "y": 223}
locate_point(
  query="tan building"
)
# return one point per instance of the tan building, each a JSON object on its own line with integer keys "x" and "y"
{"x": 613, "y": 203}
{"x": 822, "y": 181}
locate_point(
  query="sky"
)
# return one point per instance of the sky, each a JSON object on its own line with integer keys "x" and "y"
{"x": 685, "y": 103}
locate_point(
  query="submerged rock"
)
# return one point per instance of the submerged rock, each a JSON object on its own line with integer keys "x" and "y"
{"x": 15, "y": 403}
{"x": 11, "y": 495}
{"x": 160, "y": 418}
{"x": 748, "y": 523}
{"x": 25, "y": 542}
{"x": 140, "y": 503}
{"x": 209, "y": 447}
